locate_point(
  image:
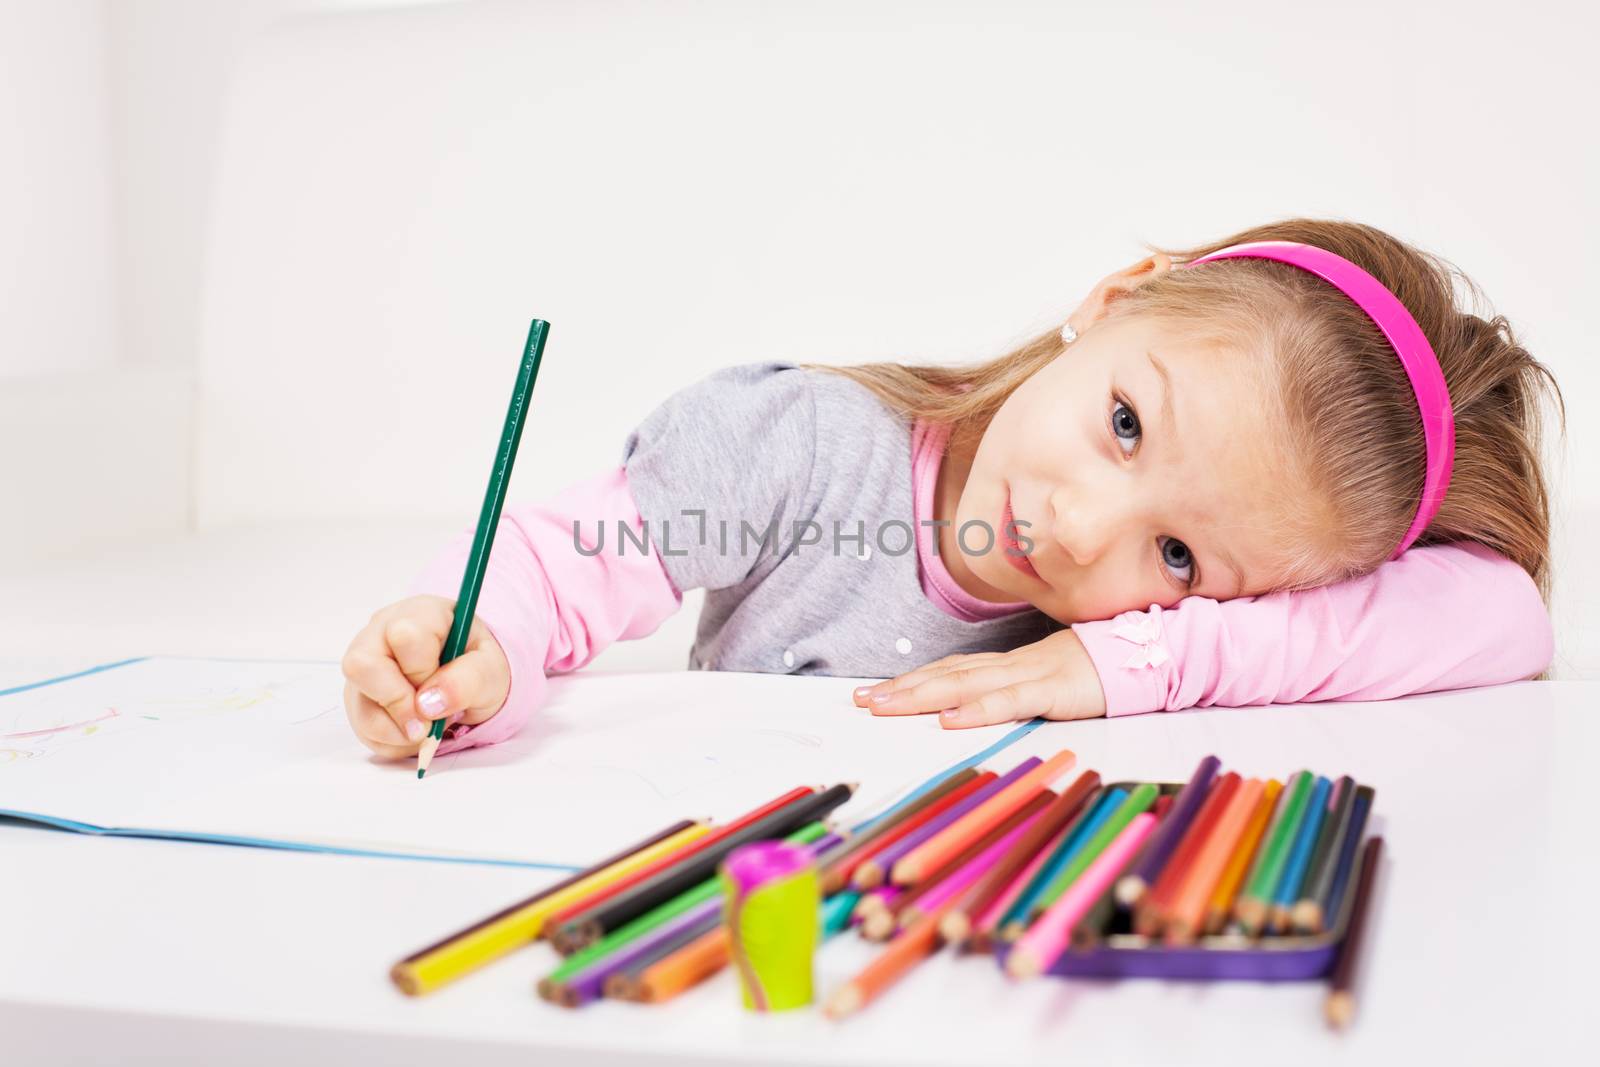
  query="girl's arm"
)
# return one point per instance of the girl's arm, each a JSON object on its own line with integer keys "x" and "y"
{"x": 551, "y": 607}
{"x": 1439, "y": 617}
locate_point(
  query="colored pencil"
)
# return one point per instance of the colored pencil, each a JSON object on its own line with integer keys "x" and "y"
{"x": 958, "y": 923}
{"x": 901, "y": 955}
{"x": 494, "y": 499}
{"x": 1221, "y": 904}
{"x": 1084, "y": 827}
{"x": 1162, "y": 806}
{"x": 620, "y": 981}
{"x": 629, "y": 905}
{"x": 865, "y": 872}
{"x": 690, "y": 965}
{"x": 600, "y": 896}
{"x": 938, "y": 850}
{"x": 1138, "y": 803}
{"x": 1164, "y": 841}
{"x": 1341, "y": 1004}
{"x": 1150, "y": 914}
{"x": 836, "y": 911}
{"x": 523, "y": 922}
{"x": 1186, "y": 914}
{"x": 982, "y": 936}
{"x": 838, "y": 864}
{"x": 1038, "y": 949}
{"x": 555, "y": 986}
{"x": 589, "y": 983}
{"x": 965, "y": 868}
{"x": 1287, "y": 891}
{"x": 875, "y": 870}
{"x": 1347, "y": 855}
{"x": 1256, "y": 898}
{"x": 1306, "y": 915}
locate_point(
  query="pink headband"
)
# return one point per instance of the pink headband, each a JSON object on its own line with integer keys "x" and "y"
{"x": 1406, "y": 337}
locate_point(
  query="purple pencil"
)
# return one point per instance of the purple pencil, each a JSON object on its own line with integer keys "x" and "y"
{"x": 872, "y": 873}
{"x": 1164, "y": 838}
{"x": 588, "y": 983}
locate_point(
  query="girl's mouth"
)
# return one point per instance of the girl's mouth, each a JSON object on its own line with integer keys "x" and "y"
{"x": 1010, "y": 546}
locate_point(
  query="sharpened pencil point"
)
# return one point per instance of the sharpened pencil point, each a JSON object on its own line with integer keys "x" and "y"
{"x": 421, "y": 771}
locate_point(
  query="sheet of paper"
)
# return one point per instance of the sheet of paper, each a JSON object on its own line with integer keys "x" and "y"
{"x": 262, "y": 750}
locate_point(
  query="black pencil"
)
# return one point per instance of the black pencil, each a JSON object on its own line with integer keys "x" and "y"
{"x": 587, "y": 927}
{"x": 1340, "y": 1007}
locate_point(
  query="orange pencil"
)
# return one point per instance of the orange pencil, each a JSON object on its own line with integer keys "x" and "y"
{"x": 1186, "y": 913}
{"x": 1221, "y": 904}
{"x": 869, "y": 873}
{"x": 940, "y": 849}
{"x": 1151, "y": 914}
{"x": 916, "y": 944}
{"x": 666, "y": 978}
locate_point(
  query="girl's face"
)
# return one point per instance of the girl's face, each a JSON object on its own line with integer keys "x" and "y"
{"x": 1144, "y": 468}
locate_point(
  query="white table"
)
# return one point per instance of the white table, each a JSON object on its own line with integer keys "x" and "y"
{"x": 154, "y": 952}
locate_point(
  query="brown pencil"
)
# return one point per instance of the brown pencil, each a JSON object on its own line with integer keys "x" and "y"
{"x": 869, "y": 873}
{"x": 839, "y": 863}
{"x": 1340, "y": 1007}
{"x": 958, "y": 923}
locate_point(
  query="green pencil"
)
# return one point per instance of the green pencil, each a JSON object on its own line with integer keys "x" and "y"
{"x": 1251, "y": 910}
{"x": 1138, "y": 801}
{"x": 488, "y": 519}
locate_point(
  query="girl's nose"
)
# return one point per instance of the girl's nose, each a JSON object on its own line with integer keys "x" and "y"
{"x": 1086, "y": 522}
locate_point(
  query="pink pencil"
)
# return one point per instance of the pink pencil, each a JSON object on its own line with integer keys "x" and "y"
{"x": 961, "y": 879}
{"x": 1038, "y": 949}
{"x": 991, "y": 917}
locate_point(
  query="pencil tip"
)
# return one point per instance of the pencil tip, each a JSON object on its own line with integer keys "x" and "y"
{"x": 420, "y": 772}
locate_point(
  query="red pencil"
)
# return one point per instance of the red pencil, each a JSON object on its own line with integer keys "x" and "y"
{"x": 1151, "y": 914}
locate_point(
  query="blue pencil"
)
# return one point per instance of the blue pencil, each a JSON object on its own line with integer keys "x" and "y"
{"x": 836, "y": 911}
{"x": 1015, "y": 919}
{"x": 1287, "y": 891}
{"x": 1347, "y": 857}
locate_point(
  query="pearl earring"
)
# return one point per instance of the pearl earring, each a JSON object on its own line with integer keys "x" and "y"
{"x": 1068, "y": 334}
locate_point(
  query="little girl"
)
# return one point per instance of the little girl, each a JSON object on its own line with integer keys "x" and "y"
{"x": 1213, "y": 475}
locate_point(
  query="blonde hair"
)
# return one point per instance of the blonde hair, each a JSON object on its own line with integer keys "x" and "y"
{"x": 1345, "y": 401}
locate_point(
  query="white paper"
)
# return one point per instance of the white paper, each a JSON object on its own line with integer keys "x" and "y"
{"x": 252, "y": 749}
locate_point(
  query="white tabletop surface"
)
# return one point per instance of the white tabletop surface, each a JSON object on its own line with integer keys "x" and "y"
{"x": 134, "y": 951}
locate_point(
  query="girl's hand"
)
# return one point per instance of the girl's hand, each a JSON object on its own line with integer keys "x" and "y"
{"x": 395, "y": 688}
{"x": 1053, "y": 678}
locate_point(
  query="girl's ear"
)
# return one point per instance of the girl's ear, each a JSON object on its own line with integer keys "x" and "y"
{"x": 1115, "y": 286}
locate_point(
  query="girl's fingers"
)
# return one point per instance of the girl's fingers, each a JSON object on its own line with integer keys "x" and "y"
{"x": 374, "y": 726}
{"x": 950, "y": 689}
{"x": 474, "y": 684}
{"x": 863, "y": 696}
{"x": 416, "y": 644}
{"x": 374, "y": 672}
{"x": 1020, "y": 700}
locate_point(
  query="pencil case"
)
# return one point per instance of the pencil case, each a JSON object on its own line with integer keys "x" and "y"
{"x": 1273, "y": 958}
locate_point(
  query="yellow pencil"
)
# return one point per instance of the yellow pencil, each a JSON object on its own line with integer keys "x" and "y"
{"x": 485, "y": 941}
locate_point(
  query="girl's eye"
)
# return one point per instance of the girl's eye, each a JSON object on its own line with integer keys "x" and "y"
{"x": 1125, "y": 425}
{"x": 1176, "y": 558}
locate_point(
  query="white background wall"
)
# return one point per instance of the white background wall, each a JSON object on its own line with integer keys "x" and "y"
{"x": 333, "y": 218}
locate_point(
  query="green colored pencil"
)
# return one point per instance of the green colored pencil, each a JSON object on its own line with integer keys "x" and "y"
{"x": 651, "y": 919}
{"x": 1138, "y": 801}
{"x": 494, "y": 499}
{"x": 1254, "y": 902}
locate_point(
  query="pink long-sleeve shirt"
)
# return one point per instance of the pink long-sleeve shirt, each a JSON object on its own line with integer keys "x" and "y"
{"x": 1440, "y": 617}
